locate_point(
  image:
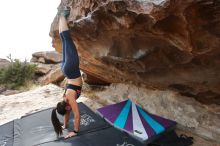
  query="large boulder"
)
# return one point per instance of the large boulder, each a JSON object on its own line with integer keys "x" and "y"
{"x": 158, "y": 43}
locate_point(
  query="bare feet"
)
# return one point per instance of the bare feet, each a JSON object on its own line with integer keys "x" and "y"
{"x": 64, "y": 11}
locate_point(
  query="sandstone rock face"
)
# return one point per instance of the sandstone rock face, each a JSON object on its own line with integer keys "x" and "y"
{"x": 91, "y": 80}
{"x": 160, "y": 43}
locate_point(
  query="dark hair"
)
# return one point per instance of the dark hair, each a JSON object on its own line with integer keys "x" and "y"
{"x": 55, "y": 121}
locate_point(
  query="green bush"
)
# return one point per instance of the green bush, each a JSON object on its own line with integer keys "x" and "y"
{"x": 17, "y": 74}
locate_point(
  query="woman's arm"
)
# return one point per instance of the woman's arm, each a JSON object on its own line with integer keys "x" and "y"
{"x": 71, "y": 96}
{"x": 74, "y": 106}
{"x": 66, "y": 119}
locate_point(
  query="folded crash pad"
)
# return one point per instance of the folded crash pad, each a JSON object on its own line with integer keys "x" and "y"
{"x": 136, "y": 121}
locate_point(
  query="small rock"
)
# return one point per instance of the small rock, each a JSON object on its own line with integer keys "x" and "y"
{"x": 10, "y": 92}
{"x": 43, "y": 69}
{"x": 34, "y": 59}
{"x": 41, "y": 60}
{"x": 4, "y": 63}
{"x": 2, "y": 89}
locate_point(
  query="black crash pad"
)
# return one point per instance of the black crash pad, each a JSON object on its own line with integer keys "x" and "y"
{"x": 37, "y": 128}
{"x": 6, "y": 134}
{"x": 106, "y": 137}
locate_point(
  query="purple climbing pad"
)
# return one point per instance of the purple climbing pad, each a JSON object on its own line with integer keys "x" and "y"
{"x": 152, "y": 125}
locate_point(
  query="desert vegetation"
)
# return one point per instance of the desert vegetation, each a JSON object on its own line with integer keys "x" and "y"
{"x": 17, "y": 74}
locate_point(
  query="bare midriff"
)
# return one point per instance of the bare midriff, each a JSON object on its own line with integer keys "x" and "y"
{"x": 76, "y": 81}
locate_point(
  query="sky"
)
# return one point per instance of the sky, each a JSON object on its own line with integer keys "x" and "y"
{"x": 25, "y": 26}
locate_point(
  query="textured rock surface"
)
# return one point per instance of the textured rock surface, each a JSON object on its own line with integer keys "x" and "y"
{"x": 91, "y": 80}
{"x": 189, "y": 114}
{"x": 160, "y": 43}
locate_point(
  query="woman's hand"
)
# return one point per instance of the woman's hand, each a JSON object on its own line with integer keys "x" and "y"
{"x": 70, "y": 134}
{"x": 64, "y": 127}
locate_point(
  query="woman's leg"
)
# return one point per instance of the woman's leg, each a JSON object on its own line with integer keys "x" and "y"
{"x": 70, "y": 66}
{"x": 63, "y": 26}
{"x": 63, "y": 54}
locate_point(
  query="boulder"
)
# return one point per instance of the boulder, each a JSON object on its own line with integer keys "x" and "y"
{"x": 4, "y": 63}
{"x": 48, "y": 57}
{"x": 43, "y": 69}
{"x": 158, "y": 43}
{"x": 54, "y": 76}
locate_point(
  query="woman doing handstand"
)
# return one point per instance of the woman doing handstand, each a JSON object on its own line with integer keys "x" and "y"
{"x": 70, "y": 68}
